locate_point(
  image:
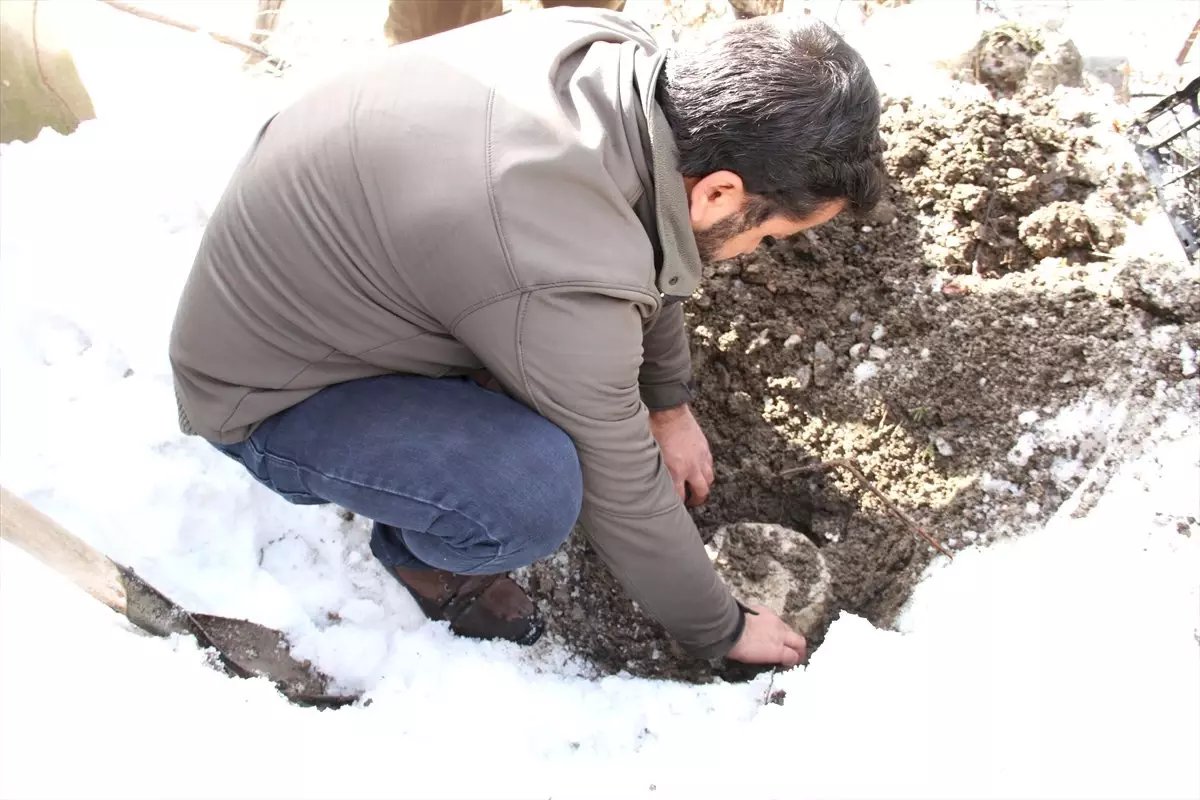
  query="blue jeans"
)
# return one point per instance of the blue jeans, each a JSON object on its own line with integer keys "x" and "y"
{"x": 454, "y": 476}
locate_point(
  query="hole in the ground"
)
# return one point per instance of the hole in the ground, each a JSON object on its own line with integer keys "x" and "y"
{"x": 845, "y": 342}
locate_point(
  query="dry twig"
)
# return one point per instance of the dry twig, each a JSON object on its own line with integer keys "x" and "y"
{"x": 849, "y": 465}
{"x": 246, "y": 47}
{"x": 771, "y": 696}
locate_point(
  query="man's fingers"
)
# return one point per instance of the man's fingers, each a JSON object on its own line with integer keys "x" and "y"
{"x": 681, "y": 488}
{"x": 699, "y": 488}
{"x": 706, "y": 469}
{"x": 789, "y": 658}
{"x": 795, "y": 642}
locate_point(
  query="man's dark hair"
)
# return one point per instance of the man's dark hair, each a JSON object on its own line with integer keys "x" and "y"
{"x": 786, "y": 104}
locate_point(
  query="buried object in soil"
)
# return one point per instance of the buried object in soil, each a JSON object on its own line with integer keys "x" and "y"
{"x": 800, "y": 591}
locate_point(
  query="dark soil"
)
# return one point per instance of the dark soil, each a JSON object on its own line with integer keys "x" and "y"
{"x": 923, "y": 343}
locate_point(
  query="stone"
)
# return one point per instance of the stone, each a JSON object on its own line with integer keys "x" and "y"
{"x": 1058, "y": 64}
{"x": 884, "y": 213}
{"x": 790, "y": 567}
{"x": 1014, "y": 55}
{"x": 741, "y": 403}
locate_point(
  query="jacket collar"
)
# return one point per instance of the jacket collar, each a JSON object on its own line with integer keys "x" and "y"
{"x": 679, "y": 275}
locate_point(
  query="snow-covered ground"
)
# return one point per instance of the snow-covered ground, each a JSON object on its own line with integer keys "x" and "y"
{"x": 1063, "y": 664}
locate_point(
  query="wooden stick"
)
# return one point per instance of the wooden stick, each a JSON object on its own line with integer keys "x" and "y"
{"x": 1187, "y": 46}
{"x": 266, "y": 18}
{"x": 246, "y": 47}
{"x": 848, "y": 464}
{"x": 62, "y": 551}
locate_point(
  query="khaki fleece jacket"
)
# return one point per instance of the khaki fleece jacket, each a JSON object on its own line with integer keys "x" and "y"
{"x": 502, "y": 196}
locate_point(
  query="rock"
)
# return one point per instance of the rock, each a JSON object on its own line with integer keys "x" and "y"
{"x": 753, "y": 273}
{"x": 1161, "y": 289}
{"x": 822, "y": 352}
{"x": 789, "y": 573}
{"x": 804, "y": 377}
{"x": 741, "y": 403}
{"x": 1058, "y": 64}
{"x": 884, "y": 213}
{"x": 1003, "y": 55}
{"x": 857, "y": 350}
{"x": 792, "y": 341}
{"x": 1014, "y": 55}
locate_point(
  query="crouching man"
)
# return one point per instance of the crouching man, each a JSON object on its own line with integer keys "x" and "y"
{"x": 445, "y": 292}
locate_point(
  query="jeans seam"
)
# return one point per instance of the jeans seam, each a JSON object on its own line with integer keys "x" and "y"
{"x": 499, "y": 546}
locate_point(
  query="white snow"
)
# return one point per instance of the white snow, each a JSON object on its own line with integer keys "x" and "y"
{"x": 1059, "y": 664}
{"x": 993, "y": 485}
{"x": 865, "y": 370}
{"x": 1187, "y": 360}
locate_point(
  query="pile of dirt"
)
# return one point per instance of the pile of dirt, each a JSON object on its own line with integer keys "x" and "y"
{"x": 1000, "y": 185}
{"x": 966, "y": 346}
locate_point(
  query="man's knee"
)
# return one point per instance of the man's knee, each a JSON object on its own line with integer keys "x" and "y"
{"x": 544, "y": 492}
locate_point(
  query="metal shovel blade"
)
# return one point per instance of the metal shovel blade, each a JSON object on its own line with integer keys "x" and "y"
{"x": 246, "y": 649}
{"x": 257, "y": 651}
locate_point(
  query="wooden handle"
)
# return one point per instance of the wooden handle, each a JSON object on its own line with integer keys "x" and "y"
{"x": 57, "y": 548}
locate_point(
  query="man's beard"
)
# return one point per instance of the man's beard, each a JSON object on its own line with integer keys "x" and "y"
{"x": 710, "y": 240}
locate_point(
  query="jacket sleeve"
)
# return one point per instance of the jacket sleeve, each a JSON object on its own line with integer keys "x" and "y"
{"x": 574, "y": 355}
{"x": 666, "y": 375}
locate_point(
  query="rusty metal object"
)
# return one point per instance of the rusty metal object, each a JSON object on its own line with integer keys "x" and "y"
{"x": 1166, "y": 137}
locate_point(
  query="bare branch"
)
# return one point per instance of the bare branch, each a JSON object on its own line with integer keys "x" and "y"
{"x": 246, "y": 47}
{"x": 848, "y": 464}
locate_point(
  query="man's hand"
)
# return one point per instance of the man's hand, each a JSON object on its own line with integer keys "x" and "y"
{"x": 685, "y": 449}
{"x": 767, "y": 639}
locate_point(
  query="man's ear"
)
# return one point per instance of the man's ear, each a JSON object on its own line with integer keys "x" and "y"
{"x": 714, "y": 197}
